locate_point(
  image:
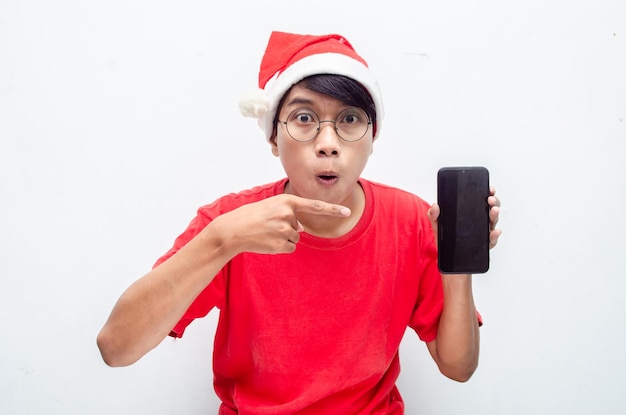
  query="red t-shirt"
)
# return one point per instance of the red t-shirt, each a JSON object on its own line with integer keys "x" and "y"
{"x": 318, "y": 331}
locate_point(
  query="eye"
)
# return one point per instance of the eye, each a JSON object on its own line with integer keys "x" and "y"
{"x": 302, "y": 117}
{"x": 352, "y": 117}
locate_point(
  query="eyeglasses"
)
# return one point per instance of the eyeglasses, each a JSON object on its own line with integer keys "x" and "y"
{"x": 304, "y": 125}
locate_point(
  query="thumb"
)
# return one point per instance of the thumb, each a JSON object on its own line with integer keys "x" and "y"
{"x": 433, "y": 213}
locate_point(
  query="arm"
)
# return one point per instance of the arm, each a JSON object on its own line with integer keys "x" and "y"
{"x": 148, "y": 310}
{"x": 456, "y": 349}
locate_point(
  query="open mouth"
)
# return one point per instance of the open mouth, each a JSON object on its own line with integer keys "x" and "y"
{"x": 327, "y": 178}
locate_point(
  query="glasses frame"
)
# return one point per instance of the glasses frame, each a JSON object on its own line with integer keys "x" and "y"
{"x": 319, "y": 125}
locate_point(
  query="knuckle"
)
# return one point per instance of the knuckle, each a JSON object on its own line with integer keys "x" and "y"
{"x": 317, "y": 205}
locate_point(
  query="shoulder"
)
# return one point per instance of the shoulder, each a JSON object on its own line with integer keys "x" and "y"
{"x": 234, "y": 200}
{"x": 231, "y": 201}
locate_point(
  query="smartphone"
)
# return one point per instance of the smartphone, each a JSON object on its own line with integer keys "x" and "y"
{"x": 463, "y": 225}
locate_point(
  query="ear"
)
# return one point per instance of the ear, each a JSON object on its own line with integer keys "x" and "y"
{"x": 274, "y": 145}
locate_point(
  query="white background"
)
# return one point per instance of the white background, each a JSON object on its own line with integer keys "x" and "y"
{"x": 119, "y": 118}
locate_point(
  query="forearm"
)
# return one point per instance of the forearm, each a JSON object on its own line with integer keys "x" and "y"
{"x": 458, "y": 337}
{"x": 148, "y": 310}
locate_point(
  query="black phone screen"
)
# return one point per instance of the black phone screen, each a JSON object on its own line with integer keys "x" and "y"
{"x": 463, "y": 225}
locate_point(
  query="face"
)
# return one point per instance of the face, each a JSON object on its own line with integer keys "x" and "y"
{"x": 327, "y": 167}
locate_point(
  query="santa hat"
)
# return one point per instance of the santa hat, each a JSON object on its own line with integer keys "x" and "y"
{"x": 289, "y": 58}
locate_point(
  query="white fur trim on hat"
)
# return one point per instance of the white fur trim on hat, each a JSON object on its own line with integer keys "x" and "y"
{"x": 254, "y": 104}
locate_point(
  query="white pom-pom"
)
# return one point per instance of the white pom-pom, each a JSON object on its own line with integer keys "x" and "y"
{"x": 254, "y": 104}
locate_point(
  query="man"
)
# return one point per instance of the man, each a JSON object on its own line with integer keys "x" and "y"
{"x": 317, "y": 275}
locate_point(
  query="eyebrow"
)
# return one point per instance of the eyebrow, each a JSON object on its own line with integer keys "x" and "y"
{"x": 299, "y": 101}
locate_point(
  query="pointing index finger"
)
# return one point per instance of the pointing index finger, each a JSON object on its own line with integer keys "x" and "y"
{"x": 319, "y": 207}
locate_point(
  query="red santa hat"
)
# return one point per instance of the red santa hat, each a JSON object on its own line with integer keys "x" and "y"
{"x": 289, "y": 58}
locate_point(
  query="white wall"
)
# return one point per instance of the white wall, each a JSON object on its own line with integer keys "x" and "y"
{"x": 119, "y": 118}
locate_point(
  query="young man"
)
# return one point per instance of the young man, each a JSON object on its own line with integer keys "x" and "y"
{"x": 316, "y": 276}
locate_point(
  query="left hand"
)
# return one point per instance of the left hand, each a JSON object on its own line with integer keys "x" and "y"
{"x": 494, "y": 216}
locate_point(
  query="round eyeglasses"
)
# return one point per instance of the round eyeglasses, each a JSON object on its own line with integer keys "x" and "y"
{"x": 304, "y": 125}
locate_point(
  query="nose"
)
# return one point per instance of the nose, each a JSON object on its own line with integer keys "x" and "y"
{"x": 327, "y": 142}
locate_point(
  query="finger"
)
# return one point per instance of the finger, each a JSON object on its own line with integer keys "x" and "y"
{"x": 494, "y": 217}
{"x": 493, "y": 201}
{"x": 433, "y": 215}
{"x": 294, "y": 237}
{"x": 433, "y": 212}
{"x": 319, "y": 207}
{"x": 494, "y": 236}
{"x": 299, "y": 227}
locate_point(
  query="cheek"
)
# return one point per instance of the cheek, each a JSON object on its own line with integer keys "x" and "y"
{"x": 287, "y": 150}
{"x": 367, "y": 149}
{"x": 287, "y": 145}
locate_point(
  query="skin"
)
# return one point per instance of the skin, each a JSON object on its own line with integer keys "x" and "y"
{"x": 146, "y": 312}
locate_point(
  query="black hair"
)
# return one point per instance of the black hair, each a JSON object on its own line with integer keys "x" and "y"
{"x": 344, "y": 89}
{"x": 339, "y": 87}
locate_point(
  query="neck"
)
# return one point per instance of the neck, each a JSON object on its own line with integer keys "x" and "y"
{"x": 331, "y": 226}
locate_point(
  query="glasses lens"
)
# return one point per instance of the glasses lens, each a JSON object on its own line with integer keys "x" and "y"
{"x": 352, "y": 124}
{"x": 302, "y": 125}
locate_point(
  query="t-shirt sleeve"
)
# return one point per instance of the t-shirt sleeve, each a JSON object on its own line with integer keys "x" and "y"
{"x": 210, "y": 296}
{"x": 201, "y": 306}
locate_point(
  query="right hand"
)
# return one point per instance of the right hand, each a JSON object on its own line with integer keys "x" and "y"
{"x": 270, "y": 226}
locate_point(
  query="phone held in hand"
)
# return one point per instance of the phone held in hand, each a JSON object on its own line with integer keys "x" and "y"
{"x": 463, "y": 225}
